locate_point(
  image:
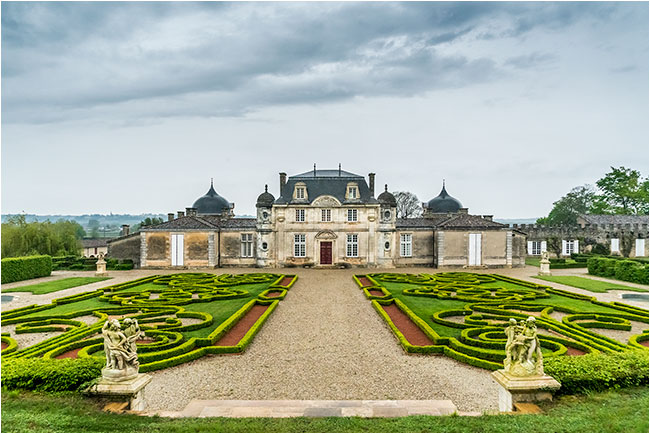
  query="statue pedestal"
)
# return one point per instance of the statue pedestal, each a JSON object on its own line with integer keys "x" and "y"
{"x": 131, "y": 390}
{"x": 101, "y": 268}
{"x": 535, "y": 388}
{"x": 544, "y": 267}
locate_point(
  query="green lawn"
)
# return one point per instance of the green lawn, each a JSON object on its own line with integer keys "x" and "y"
{"x": 588, "y": 284}
{"x": 56, "y": 285}
{"x": 623, "y": 410}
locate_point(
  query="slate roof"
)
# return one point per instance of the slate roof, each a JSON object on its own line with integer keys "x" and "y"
{"x": 449, "y": 221}
{"x": 601, "y": 219}
{"x": 208, "y": 223}
{"x": 212, "y": 203}
{"x": 94, "y": 242}
{"x": 326, "y": 182}
{"x": 444, "y": 202}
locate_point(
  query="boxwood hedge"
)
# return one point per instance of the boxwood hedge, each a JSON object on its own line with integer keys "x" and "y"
{"x": 25, "y": 267}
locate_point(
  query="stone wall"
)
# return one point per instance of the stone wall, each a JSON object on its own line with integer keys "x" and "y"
{"x": 127, "y": 247}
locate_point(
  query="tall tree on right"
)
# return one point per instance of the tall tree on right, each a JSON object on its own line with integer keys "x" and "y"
{"x": 624, "y": 191}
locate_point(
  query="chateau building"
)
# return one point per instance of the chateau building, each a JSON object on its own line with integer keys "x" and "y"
{"x": 323, "y": 218}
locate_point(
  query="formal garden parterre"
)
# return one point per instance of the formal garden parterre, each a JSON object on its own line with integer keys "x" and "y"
{"x": 463, "y": 316}
{"x": 184, "y": 316}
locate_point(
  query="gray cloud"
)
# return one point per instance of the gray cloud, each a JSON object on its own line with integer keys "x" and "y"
{"x": 140, "y": 60}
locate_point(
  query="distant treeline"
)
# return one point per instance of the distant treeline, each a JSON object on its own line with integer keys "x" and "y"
{"x": 20, "y": 238}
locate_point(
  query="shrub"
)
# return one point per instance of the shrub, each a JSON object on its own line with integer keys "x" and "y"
{"x": 600, "y": 249}
{"x": 599, "y": 371}
{"x": 26, "y": 267}
{"x": 49, "y": 375}
{"x": 624, "y": 270}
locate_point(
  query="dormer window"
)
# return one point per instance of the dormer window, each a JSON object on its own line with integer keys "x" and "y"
{"x": 352, "y": 191}
{"x": 300, "y": 191}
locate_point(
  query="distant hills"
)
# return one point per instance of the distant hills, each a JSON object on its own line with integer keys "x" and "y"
{"x": 527, "y": 221}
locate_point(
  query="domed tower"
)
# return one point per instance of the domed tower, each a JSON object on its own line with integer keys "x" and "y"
{"x": 213, "y": 204}
{"x": 264, "y": 207}
{"x": 388, "y": 206}
{"x": 442, "y": 204}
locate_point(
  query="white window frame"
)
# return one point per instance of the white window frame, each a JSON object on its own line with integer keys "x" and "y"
{"x": 246, "y": 245}
{"x": 353, "y": 215}
{"x": 536, "y": 248}
{"x": 300, "y": 215}
{"x": 615, "y": 245}
{"x": 406, "y": 245}
{"x": 639, "y": 247}
{"x": 326, "y": 215}
{"x": 353, "y": 192}
{"x": 569, "y": 246}
{"x": 352, "y": 246}
{"x": 299, "y": 245}
{"x": 301, "y": 192}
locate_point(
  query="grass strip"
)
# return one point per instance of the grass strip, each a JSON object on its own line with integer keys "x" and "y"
{"x": 623, "y": 410}
{"x": 56, "y": 285}
{"x": 588, "y": 284}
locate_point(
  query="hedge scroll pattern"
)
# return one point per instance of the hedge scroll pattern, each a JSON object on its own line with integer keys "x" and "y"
{"x": 472, "y": 329}
{"x": 213, "y": 303}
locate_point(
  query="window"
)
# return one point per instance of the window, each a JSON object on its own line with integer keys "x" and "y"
{"x": 300, "y": 192}
{"x": 300, "y": 215}
{"x": 570, "y": 246}
{"x": 352, "y": 250}
{"x": 405, "y": 245}
{"x": 353, "y": 192}
{"x": 536, "y": 247}
{"x": 387, "y": 214}
{"x": 247, "y": 245}
{"x": 265, "y": 245}
{"x": 299, "y": 246}
{"x": 265, "y": 215}
{"x": 326, "y": 215}
{"x": 387, "y": 245}
{"x": 352, "y": 215}
{"x": 615, "y": 246}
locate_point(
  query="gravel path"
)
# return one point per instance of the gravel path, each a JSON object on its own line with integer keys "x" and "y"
{"x": 324, "y": 341}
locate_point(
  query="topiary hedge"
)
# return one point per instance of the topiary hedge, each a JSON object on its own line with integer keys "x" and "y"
{"x": 621, "y": 269}
{"x": 49, "y": 375}
{"x": 593, "y": 372}
{"x": 26, "y": 267}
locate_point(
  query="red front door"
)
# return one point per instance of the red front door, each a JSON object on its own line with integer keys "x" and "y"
{"x": 325, "y": 252}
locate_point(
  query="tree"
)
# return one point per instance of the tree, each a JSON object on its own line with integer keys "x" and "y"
{"x": 20, "y": 238}
{"x": 554, "y": 244}
{"x": 624, "y": 191}
{"x": 580, "y": 200}
{"x": 408, "y": 204}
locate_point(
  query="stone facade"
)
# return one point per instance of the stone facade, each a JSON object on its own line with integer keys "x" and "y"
{"x": 324, "y": 218}
{"x": 614, "y": 236}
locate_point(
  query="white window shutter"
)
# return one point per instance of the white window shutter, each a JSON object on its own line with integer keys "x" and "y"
{"x": 530, "y": 247}
{"x": 544, "y": 246}
{"x": 564, "y": 247}
{"x": 576, "y": 248}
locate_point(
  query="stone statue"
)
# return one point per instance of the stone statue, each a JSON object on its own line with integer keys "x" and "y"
{"x": 545, "y": 265}
{"x": 523, "y": 352}
{"x": 101, "y": 266}
{"x": 121, "y": 356}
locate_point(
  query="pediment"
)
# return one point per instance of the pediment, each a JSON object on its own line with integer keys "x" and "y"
{"x": 326, "y": 201}
{"x": 326, "y": 235}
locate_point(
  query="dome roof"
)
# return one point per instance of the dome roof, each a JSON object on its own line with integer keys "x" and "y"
{"x": 265, "y": 199}
{"x": 387, "y": 198}
{"x": 444, "y": 203}
{"x": 211, "y": 203}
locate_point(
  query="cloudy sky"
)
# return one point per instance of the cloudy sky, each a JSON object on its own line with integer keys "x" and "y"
{"x": 133, "y": 107}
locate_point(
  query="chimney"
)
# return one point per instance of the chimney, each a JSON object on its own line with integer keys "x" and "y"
{"x": 170, "y": 216}
{"x": 181, "y": 214}
{"x": 283, "y": 181}
{"x": 463, "y": 211}
{"x": 371, "y": 184}
{"x": 124, "y": 231}
{"x": 191, "y": 211}
{"x": 488, "y": 217}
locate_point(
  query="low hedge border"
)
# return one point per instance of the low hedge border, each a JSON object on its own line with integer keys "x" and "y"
{"x": 50, "y": 375}
{"x": 11, "y": 343}
{"x": 25, "y": 267}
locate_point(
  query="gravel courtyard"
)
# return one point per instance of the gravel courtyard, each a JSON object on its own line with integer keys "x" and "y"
{"x": 324, "y": 341}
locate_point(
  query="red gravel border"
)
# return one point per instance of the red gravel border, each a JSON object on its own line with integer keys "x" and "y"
{"x": 4, "y": 345}
{"x": 286, "y": 281}
{"x": 235, "y": 334}
{"x": 364, "y": 281}
{"x": 408, "y": 328}
{"x": 72, "y": 354}
{"x": 570, "y": 351}
{"x": 376, "y": 292}
{"x": 644, "y": 343}
{"x": 273, "y": 294}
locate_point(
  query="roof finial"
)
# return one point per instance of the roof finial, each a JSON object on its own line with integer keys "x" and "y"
{"x": 266, "y": 188}
{"x": 339, "y": 169}
{"x": 386, "y": 187}
{"x": 314, "y": 169}
{"x": 211, "y": 182}
{"x": 443, "y": 182}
